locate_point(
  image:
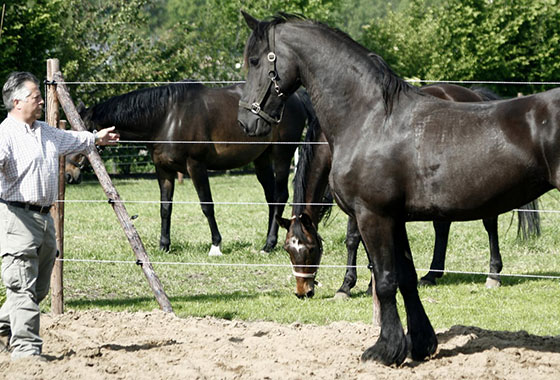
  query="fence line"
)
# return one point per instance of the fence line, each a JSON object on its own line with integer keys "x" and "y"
{"x": 244, "y": 203}
{"x": 224, "y": 142}
{"x": 412, "y": 80}
{"x": 328, "y": 266}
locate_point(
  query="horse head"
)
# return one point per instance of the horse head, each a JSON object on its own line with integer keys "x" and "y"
{"x": 270, "y": 81}
{"x": 74, "y": 164}
{"x": 305, "y": 248}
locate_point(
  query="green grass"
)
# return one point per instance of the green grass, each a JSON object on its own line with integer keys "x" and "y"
{"x": 266, "y": 293}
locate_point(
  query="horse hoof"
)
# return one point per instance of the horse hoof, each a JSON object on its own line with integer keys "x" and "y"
{"x": 387, "y": 353}
{"x": 341, "y": 296}
{"x": 492, "y": 283}
{"x": 426, "y": 282}
{"x": 215, "y": 251}
{"x": 267, "y": 249}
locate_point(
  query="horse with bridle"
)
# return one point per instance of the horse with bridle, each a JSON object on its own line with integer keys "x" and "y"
{"x": 400, "y": 155}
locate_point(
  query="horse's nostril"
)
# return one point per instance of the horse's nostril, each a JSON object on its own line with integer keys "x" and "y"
{"x": 310, "y": 294}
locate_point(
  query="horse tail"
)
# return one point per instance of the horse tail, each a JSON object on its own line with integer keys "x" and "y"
{"x": 326, "y": 206}
{"x": 529, "y": 220}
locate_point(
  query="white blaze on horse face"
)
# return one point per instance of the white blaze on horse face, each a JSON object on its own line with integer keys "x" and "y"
{"x": 295, "y": 244}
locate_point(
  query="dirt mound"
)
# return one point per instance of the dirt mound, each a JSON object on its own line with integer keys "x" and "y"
{"x": 156, "y": 345}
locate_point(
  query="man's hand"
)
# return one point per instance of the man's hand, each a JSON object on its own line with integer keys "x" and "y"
{"x": 107, "y": 137}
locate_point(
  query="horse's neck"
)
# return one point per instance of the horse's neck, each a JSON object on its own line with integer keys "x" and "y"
{"x": 332, "y": 69}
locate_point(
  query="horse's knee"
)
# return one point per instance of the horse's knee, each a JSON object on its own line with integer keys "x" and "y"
{"x": 386, "y": 286}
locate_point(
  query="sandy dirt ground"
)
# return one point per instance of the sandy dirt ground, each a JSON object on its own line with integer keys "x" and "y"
{"x": 155, "y": 345}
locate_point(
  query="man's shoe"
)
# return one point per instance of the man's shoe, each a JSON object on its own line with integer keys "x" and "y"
{"x": 5, "y": 343}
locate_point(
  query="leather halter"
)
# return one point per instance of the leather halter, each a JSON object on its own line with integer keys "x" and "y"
{"x": 257, "y": 106}
{"x": 79, "y": 164}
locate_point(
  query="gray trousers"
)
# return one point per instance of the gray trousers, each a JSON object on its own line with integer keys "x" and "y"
{"x": 28, "y": 250}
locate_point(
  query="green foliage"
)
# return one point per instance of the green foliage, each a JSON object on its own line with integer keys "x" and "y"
{"x": 472, "y": 40}
{"x": 30, "y": 33}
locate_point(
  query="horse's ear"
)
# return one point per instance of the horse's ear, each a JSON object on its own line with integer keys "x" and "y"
{"x": 306, "y": 221}
{"x": 250, "y": 20}
{"x": 283, "y": 222}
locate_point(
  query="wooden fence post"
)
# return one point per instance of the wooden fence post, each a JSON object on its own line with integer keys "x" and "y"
{"x": 114, "y": 197}
{"x": 57, "y": 212}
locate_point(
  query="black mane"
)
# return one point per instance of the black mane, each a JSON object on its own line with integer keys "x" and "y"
{"x": 392, "y": 85}
{"x": 306, "y": 154}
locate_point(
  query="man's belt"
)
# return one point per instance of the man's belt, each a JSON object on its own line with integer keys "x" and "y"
{"x": 27, "y": 206}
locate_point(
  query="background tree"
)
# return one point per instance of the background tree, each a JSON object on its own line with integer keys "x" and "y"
{"x": 29, "y": 33}
{"x": 472, "y": 40}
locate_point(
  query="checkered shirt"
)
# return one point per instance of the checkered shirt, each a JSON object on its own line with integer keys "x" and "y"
{"x": 29, "y": 159}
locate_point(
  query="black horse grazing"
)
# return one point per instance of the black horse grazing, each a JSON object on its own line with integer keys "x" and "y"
{"x": 193, "y": 112}
{"x": 400, "y": 155}
{"x": 310, "y": 204}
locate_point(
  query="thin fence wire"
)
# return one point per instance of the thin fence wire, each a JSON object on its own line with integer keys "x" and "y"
{"x": 243, "y": 203}
{"x": 224, "y": 142}
{"x": 414, "y": 80}
{"x": 324, "y": 266}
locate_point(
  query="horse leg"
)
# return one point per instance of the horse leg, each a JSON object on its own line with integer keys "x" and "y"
{"x": 353, "y": 239}
{"x": 440, "y": 247}
{"x": 166, "y": 181}
{"x": 493, "y": 279}
{"x": 265, "y": 175}
{"x": 378, "y": 234}
{"x": 420, "y": 330}
{"x": 199, "y": 177}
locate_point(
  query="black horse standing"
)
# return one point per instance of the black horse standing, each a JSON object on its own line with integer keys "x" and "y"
{"x": 192, "y": 112}
{"x": 311, "y": 188}
{"x": 399, "y": 155}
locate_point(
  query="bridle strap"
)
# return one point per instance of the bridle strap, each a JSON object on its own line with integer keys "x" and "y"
{"x": 304, "y": 275}
{"x": 255, "y": 107}
{"x": 78, "y": 164}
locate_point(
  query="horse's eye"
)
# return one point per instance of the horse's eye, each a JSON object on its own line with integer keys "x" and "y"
{"x": 254, "y": 61}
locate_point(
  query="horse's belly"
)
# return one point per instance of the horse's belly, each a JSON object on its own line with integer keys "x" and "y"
{"x": 233, "y": 156}
{"x": 469, "y": 199}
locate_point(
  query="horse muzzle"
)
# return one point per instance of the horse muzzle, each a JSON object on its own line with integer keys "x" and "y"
{"x": 305, "y": 287}
{"x": 253, "y": 125}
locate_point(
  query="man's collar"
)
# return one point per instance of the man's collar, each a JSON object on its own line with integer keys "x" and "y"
{"x": 23, "y": 123}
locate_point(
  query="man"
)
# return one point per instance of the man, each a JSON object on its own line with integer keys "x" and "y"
{"x": 29, "y": 151}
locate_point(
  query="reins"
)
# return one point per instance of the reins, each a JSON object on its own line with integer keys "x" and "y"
{"x": 256, "y": 106}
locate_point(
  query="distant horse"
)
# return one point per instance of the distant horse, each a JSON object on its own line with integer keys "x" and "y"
{"x": 400, "y": 155}
{"x": 192, "y": 112}
{"x": 310, "y": 186}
